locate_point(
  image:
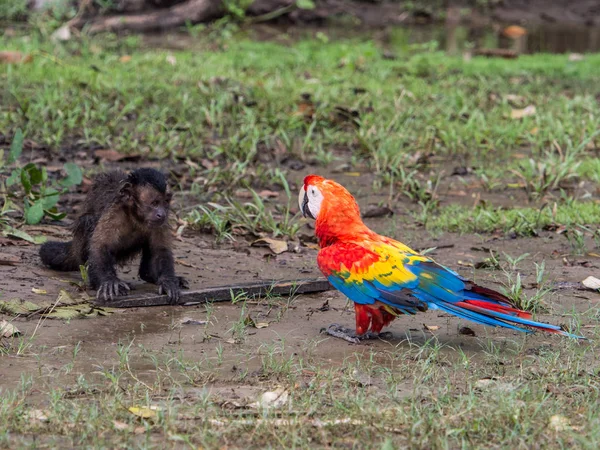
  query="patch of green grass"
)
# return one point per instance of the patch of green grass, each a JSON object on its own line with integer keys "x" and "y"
{"x": 230, "y": 106}
{"x": 521, "y": 221}
{"x": 423, "y": 394}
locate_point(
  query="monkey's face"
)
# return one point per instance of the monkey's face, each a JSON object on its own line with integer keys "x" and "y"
{"x": 154, "y": 206}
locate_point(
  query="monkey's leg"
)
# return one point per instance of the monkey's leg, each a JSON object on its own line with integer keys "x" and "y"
{"x": 158, "y": 267}
{"x": 103, "y": 275}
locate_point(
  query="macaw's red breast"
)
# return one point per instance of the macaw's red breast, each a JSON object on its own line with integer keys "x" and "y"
{"x": 343, "y": 256}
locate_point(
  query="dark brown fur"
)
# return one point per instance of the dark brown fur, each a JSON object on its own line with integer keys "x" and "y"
{"x": 123, "y": 216}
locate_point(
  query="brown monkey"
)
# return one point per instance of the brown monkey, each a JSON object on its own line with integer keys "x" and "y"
{"x": 122, "y": 216}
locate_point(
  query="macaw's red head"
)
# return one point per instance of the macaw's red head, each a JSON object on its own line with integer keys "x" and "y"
{"x": 331, "y": 205}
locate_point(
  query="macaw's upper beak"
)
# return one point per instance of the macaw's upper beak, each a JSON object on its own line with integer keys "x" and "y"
{"x": 305, "y": 209}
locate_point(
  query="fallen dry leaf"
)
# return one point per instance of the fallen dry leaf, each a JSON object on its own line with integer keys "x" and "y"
{"x": 249, "y": 322}
{"x": 559, "y": 423}
{"x": 9, "y": 260}
{"x": 120, "y": 426}
{"x": 62, "y": 34}
{"x": 7, "y": 329}
{"x": 14, "y": 57}
{"x": 378, "y": 211}
{"x": 171, "y": 60}
{"x": 268, "y": 194}
{"x": 520, "y": 113}
{"x": 591, "y": 283}
{"x": 37, "y": 415}
{"x": 275, "y": 245}
{"x": 431, "y": 327}
{"x": 125, "y": 58}
{"x": 272, "y": 399}
{"x": 39, "y": 291}
{"x": 114, "y": 156}
{"x": 145, "y": 412}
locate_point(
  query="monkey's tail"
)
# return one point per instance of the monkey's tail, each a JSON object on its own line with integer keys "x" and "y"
{"x": 59, "y": 256}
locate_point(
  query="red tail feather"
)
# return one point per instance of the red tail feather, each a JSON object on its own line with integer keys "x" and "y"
{"x": 499, "y": 308}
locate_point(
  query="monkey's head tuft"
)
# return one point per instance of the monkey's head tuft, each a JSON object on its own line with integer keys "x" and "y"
{"x": 151, "y": 177}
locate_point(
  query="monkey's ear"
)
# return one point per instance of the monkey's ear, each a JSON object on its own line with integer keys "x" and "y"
{"x": 126, "y": 191}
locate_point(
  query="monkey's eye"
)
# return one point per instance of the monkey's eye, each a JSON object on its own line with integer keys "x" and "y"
{"x": 155, "y": 203}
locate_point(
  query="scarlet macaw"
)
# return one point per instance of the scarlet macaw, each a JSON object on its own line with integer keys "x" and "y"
{"x": 385, "y": 278}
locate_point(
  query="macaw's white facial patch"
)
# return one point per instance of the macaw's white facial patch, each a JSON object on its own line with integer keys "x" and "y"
{"x": 310, "y": 200}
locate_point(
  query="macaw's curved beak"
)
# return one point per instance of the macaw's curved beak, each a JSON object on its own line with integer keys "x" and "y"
{"x": 304, "y": 206}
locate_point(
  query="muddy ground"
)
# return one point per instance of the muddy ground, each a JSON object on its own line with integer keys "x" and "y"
{"x": 297, "y": 322}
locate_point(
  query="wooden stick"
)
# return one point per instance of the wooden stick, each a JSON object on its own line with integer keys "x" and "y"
{"x": 225, "y": 293}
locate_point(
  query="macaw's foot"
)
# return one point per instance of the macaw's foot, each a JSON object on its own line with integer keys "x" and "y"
{"x": 350, "y": 335}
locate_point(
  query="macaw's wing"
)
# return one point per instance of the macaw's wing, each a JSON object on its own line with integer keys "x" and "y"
{"x": 367, "y": 276}
{"x": 400, "y": 278}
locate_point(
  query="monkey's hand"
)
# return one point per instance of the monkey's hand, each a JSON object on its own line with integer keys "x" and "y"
{"x": 110, "y": 289}
{"x": 171, "y": 288}
{"x": 183, "y": 283}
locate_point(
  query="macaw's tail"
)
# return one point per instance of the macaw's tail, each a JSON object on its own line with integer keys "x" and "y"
{"x": 488, "y": 307}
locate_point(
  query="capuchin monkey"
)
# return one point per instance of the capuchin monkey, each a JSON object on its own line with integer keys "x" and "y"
{"x": 123, "y": 215}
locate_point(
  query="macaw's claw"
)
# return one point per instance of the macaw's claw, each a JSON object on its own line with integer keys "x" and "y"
{"x": 350, "y": 335}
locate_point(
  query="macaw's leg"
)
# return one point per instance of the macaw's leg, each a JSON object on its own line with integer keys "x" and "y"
{"x": 366, "y": 318}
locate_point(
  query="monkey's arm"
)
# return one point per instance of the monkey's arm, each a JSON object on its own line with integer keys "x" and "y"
{"x": 157, "y": 266}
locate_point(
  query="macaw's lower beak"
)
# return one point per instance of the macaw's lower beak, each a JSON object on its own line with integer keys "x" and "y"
{"x": 305, "y": 209}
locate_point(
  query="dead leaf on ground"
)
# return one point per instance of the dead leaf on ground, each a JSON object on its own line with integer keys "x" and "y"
{"x": 272, "y": 399}
{"x": 6, "y": 241}
{"x": 120, "y": 426}
{"x": 515, "y": 100}
{"x": 268, "y": 194}
{"x": 145, "y": 412}
{"x": 114, "y": 156}
{"x": 37, "y": 415}
{"x": 62, "y": 34}
{"x": 520, "y": 113}
{"x": 592, "y": 283}
{"x": 39, "y": 291}
{"x": 9, "y": 260}
{"x": 7, "y": 329}
{"x": 171, "y": 59}
{"x": 559, "y": 423}
{"x": 431, "y": 328}
{"x": 275, "y": 245}
{"x": 378, "y": 211}
{"x": 491, "y": 384}
{"x": 125, "y": 58}
{"x": 186, "y": 264}
{"x": 249, "y": 322}
{"x": 9, "y": 57}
